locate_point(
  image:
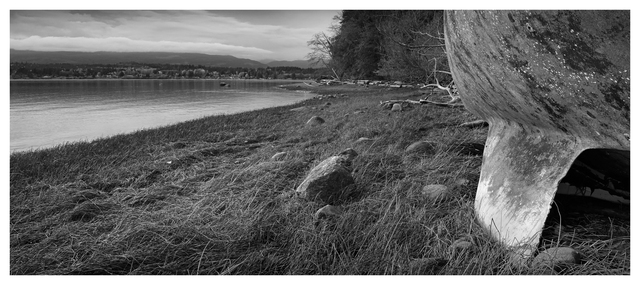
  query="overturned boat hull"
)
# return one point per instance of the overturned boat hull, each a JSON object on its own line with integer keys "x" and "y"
{"x": 551, "y": 84}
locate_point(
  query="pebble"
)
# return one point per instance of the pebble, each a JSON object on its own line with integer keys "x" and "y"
{"x": 435, "y": 191}
{"x": 556, "y": 257}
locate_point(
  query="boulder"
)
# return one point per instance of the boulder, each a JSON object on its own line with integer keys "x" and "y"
{"x": 330, "y": 181}
{"x": 315, "y": 121}
{"x": 435, "y": 191}
{"x": 397, "y": 107}
{"x": 557, "y": 257}
{"x": 421, "y": 147}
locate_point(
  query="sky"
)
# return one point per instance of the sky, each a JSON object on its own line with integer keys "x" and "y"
{"x": 257, "y": 34}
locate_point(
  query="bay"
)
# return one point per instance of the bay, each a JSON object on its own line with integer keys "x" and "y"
{"x": 45, "y": 113}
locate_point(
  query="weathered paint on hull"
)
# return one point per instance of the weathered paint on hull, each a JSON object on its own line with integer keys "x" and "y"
{"x": 551, "y": 84}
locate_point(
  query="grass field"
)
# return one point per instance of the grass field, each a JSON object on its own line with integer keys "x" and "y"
{"x": 205, "y": 197}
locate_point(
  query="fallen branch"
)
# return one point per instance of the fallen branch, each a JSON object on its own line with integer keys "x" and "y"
{"x": 389, "y": 102}
{"x": 451, "y": 89}
{"x": 421, "y": 101}
{"x": 442, "y": 104}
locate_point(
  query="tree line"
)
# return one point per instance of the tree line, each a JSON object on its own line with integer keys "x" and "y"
{"x": 400, "y": 45}
{"x": 68, "y": 70}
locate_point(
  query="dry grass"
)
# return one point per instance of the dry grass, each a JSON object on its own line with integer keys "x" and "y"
{"x": 204, "y": 197}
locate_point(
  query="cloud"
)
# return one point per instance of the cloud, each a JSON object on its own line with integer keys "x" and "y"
{"x": 240, "y": 33}
{"x": 120, "y": 44}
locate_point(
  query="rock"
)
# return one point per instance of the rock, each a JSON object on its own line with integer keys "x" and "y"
{"x": 315, "y": 121}
{"x": 363, "y": 140}
{"x": 329, "y": 211}
{"x": 421, "y": 147}
{"x": 435, "y": 191}
{"x": 462, "y": 182}
{"x": 397, "y": 107}
{"x": 278, "y": 156}
{"x": 557, "y": 257}
{"x": 329, "y": 181}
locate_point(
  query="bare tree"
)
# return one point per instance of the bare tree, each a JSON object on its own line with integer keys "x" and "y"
{"x": 322, "y": 49}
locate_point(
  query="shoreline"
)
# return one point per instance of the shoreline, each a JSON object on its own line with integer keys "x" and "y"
{"x": 293, "y": 85}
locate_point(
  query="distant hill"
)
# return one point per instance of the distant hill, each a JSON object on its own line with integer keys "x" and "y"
{"x": 266, "y": 60}
{"x": 141, "y": 57}
{"x": 295, "y": 63}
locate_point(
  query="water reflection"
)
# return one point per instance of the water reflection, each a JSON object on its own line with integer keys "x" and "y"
{"x": 49, "y": 112}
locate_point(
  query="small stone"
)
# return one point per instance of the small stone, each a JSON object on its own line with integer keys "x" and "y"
{"x": 462, "y": 182}
{"x": 435, "y": 191}
{"x": 557, "y": 257}
{"x": 329, "y": 211}
{"x": 397, "y": 107}
{"x": 421, "y": 147}
{"x": 278, "y": 156}
{"x": 315, "y": 120}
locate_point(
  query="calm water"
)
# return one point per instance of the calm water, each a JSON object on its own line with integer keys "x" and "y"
{"x": 45, "y": 113}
